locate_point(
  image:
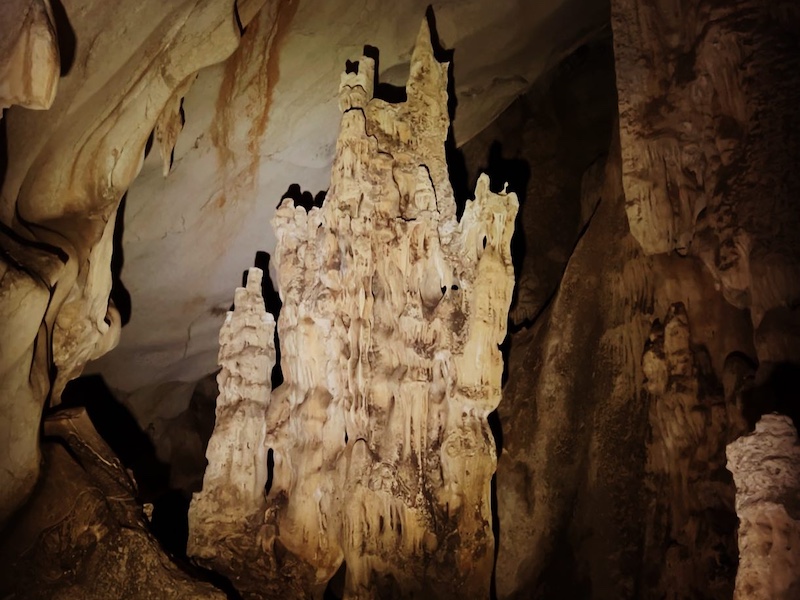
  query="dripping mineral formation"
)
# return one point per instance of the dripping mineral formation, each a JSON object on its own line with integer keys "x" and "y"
{"x": 393, "y": 313}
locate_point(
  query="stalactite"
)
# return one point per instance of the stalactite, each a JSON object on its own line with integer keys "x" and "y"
{"x": 393, "y": 313}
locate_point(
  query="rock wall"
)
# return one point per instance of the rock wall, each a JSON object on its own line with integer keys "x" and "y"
{"x": 83, "y": 534}
{"x": 609, "y": 484}
{"x": 67, "y": 170}
{"x": 709, "y": 122}
{"x": 393, "y": 313}
{"x": 690, "y": 535}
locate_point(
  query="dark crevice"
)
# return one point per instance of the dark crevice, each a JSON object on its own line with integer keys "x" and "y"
{"x": 148, "y": 145}
{"x": 65, "y": 34}
{"x": 394, "y": 94}
{"x": 335, "y": 588}
{"x": 120, "y": 297}
{"x": 272, "y": 304}
{"x": 238, "y": 18}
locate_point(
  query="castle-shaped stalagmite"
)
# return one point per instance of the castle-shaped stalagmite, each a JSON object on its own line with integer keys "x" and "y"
{"x": 393, "y": 313}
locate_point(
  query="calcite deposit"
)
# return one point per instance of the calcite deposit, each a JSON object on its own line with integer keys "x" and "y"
{"x": 393, "y": 313}
{"x": 236, "y": 476}
{"x": 29, "y": 57}
{"x": 766, "y": 468}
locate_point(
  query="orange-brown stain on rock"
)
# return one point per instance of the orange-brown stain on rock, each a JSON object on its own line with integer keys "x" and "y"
{"x": 246, "y": 93}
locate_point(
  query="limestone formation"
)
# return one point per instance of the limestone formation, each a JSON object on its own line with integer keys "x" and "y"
{"x": 29, "y": 56}
{"x": 687, "y": 554}
{"x": 766, "y": 469}
{"x": 709, "y": 129}
{"x": 393, "y": 313}
{"x": 236, "y": 476}
{"x": 67, "y": 170}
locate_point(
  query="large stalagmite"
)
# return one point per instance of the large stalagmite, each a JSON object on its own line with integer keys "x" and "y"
{"x": 393, "y": 312}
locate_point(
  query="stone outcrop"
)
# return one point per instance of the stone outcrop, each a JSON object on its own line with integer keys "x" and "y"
{"x": 708, "y": 97}
{"x": 393, "y": 313}
{"x": 67, "y": 169}
{"x": 766, "y": 468}
{"x": 571, "y": 479}
{"x": 83, "y": 534}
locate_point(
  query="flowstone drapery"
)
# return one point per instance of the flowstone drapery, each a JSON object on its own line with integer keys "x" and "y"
{"x": 393, "y": 312}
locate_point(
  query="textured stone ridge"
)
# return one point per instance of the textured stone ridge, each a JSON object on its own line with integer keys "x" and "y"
{"x": 67, "y": 170}
{"x": 687, "y": 552}
{"x": 29, "y": 58}
{"x": 233, "y": 486}
{"x": 393, "y": 312}
{"x": 766, "y": 470}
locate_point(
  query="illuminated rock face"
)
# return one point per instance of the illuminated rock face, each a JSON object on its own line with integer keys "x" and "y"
{"x": 29, "y": 60}
{"x": 393, "y": 312}
{"x": 233, "y": 486}
{"x": 68, "y": 168}
{"x": 767, "y": 476}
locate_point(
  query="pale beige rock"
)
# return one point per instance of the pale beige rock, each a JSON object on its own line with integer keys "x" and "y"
{"x": 767, "y": 476}
{"x": 68, "y": 168}
{"x": 234, "y": 481}
{"x": 393, "y": 313}
{"x": 29, "y": 58}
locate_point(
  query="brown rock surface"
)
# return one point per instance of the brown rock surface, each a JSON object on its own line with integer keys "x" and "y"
{"x": 766, "y": 468}
{"x": 82, "y": 535}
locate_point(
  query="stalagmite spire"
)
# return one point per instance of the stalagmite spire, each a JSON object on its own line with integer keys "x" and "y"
{"x": 392, "y": 315}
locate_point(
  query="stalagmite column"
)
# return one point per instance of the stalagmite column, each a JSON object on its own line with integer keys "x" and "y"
{"x": 233, "y": 485}
{"x": 393, "y": 313}
{"x": 766, "y": 470}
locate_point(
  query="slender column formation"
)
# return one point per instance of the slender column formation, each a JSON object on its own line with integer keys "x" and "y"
{"x": 234, "y": 481}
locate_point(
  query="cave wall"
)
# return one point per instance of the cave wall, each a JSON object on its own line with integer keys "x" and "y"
{"x": 674, "y": 324}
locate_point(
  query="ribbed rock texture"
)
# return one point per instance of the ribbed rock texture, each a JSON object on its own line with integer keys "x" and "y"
{"x": 236, "y": 476}
{"x": 710, "y": 131}
{"x": 393, "y": 313}
{"x": 67, "y": 171}
{"x": 29, "y": 58}
{"x": 766, "y": 469}
{"x": 690, "y": 544}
